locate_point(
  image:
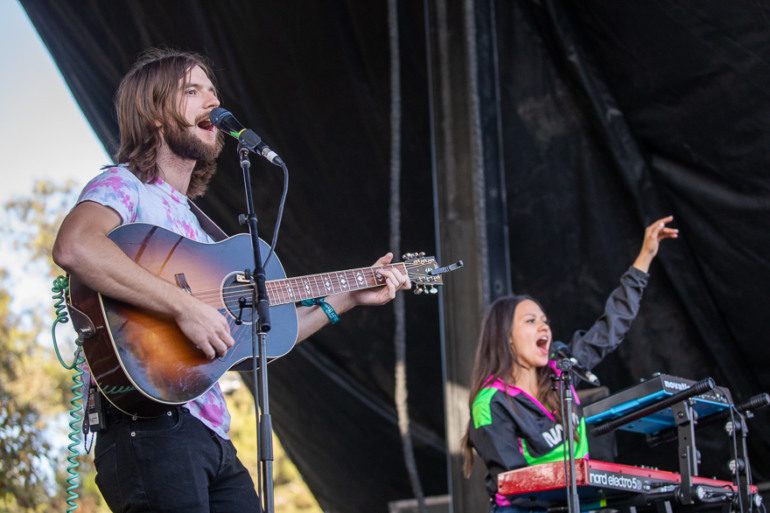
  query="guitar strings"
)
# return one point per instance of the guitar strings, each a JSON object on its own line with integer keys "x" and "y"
{"x": 333, "y": 277}
{"x": 279, "y": 292}
{"x": 233, "y": 291}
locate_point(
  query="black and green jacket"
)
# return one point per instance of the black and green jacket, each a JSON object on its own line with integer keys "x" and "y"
{"x": 510, "y": 429}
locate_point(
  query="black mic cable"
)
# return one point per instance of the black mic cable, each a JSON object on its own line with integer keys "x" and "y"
{"x": 224, "y": 120}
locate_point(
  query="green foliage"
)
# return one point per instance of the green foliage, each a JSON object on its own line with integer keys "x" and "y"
{"x": 31, "y": 223}
{"x": 20, "y": 440}
{"x": 34, "y": 388}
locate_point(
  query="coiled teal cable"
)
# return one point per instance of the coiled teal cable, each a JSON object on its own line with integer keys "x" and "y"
{"x": 60, "y": 288}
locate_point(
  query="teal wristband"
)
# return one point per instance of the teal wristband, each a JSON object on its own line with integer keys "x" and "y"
{"x": 326, "y": 307}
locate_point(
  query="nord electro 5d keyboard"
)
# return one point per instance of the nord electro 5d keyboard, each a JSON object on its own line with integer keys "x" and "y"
{"x": 603, "y": 484}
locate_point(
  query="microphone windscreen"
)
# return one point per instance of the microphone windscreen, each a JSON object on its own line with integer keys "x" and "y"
{"x": 224, "y": 120}
{"x": 559, "y": 348}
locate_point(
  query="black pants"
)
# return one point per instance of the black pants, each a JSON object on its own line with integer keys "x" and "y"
{"x": 171, "y": 463}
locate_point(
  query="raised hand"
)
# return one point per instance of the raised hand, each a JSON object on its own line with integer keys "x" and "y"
{"x": 653, "y": 234}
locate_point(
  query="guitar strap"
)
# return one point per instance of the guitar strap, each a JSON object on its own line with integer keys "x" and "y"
{"x": 209, "y": 226}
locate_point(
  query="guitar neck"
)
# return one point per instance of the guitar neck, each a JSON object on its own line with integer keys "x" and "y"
{"x": 293, "y": 290}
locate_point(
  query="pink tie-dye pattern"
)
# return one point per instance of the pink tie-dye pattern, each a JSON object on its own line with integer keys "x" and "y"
{"x": 189, "y": 230}
{"x": 115, "y": 185}
{"x": 212, "y": 409}
{"x": 175, "y": 195}
{"x": 135, "y": 201}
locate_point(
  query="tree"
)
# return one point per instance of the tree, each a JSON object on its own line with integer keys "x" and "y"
{"x": 27, "y": 227}
{"x": 20, "y": 439}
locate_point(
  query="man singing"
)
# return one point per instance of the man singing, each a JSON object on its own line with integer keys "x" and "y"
{"x": 182, "y": 461}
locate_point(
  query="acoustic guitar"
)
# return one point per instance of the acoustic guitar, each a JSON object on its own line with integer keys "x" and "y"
{"x": 142, "y": 362}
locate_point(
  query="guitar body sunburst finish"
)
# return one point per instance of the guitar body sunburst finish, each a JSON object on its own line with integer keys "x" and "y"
{"x": 141, "y": 361}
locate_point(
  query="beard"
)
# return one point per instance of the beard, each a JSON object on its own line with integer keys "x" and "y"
{"x": 185, "y": 145}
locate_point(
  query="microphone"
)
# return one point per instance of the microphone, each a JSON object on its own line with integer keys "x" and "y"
{"x": 224, "y": 120}
{"x": 562, "y": 350}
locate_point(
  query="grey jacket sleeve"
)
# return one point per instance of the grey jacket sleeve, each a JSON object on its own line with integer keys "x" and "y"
{"x": 591, "y": 346}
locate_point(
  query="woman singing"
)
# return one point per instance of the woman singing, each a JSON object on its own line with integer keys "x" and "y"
{"x": 515, "y": 419}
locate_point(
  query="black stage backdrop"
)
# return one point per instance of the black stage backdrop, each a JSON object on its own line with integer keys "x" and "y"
{"x": 617, "y": 113}
{"x": 613, "y": 113}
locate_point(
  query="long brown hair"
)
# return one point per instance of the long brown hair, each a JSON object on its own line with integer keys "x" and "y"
{"x": 147, "y": 95}
{"x": 496, "y": 357}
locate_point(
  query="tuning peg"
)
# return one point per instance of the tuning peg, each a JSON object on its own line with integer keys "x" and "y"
{"x": 422, "y": 253}
{"x": 433, "y": 290}
{"x": 418, "y": 290}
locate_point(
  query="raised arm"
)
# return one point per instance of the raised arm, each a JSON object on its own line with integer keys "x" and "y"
{"x": 622, "y": 306}
{"x": 83, "y": 249}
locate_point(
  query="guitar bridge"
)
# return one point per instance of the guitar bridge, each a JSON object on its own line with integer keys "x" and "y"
{"x": 243, "y": 278}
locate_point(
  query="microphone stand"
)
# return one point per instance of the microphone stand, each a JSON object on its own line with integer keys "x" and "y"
{"x": 260, "y": 325}
{"x": 566, "y": 396}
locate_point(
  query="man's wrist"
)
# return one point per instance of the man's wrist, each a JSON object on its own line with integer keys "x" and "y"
{"x": 325, "y": 306}
{"x": 342, "y": 302}
{"x": 177, "y": 301}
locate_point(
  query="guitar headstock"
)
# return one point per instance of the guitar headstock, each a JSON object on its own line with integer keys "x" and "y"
{"x": 420, "y": 268}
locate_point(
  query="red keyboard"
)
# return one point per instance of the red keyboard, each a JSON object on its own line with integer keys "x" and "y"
{"x": 599, "y": 480}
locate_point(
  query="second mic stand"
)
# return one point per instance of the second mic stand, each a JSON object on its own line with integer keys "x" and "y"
{"x": 260, "y": 325}
{"x": 566, "y": 397}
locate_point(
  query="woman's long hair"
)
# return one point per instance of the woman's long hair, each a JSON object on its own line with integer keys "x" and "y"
{"x": 148, "y": 95}
{"x": 496, "y": 357}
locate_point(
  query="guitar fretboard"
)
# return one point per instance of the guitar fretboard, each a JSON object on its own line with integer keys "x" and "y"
{"x": 293, "y": 290}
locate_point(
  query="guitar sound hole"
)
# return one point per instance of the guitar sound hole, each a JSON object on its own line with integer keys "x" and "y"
{"x": 237, "y": 299}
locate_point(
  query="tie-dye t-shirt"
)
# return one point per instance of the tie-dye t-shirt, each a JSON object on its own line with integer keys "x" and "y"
{"x": 158, "y": 203}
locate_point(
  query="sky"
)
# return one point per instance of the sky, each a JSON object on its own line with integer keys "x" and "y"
{"x": 37, "y": 106}
{"x": 43, "y": 134}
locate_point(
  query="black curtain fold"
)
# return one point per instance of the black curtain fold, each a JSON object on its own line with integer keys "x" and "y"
{"x": 586, "y": 129}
